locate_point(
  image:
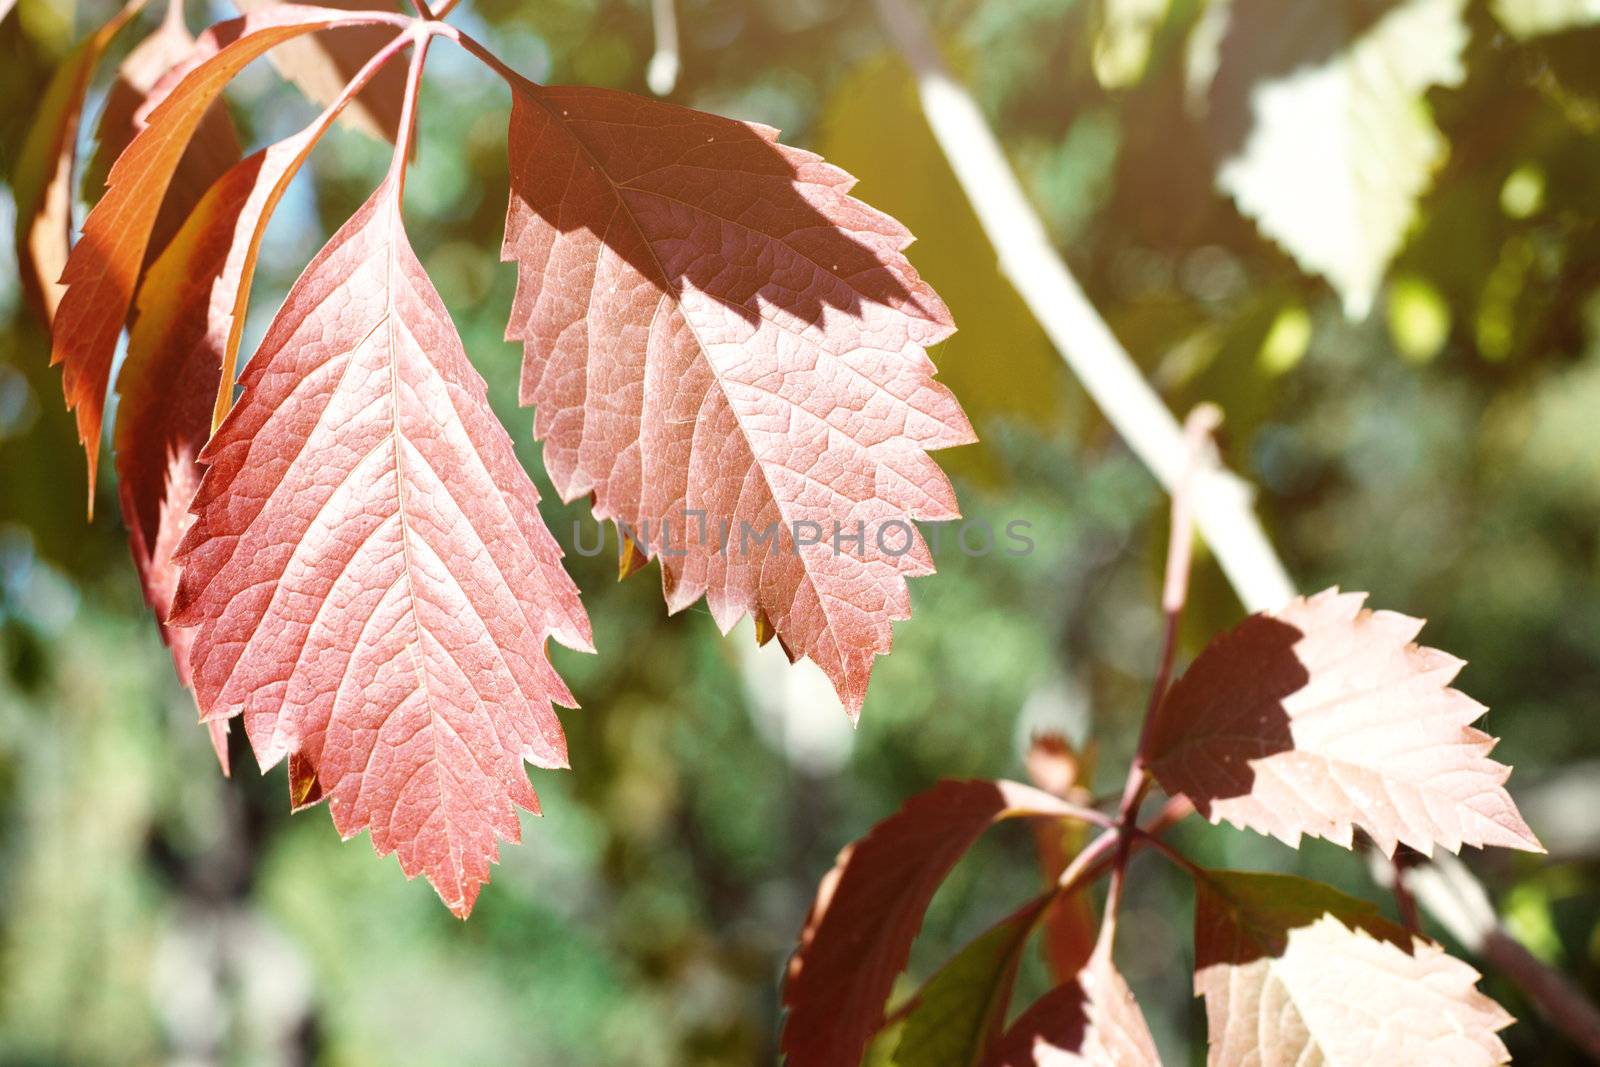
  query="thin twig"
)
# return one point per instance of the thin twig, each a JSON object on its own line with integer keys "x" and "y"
{"x": 1184, "y": 863}
{"x": 1198, "y": 428}
{"x": 1223, "y": 502}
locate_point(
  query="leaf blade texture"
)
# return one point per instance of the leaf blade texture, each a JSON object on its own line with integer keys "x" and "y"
{"x": 1326, "y": 717}
{"x": 1294, "y": 972}
{"x": 870, "y": 905}
{"x": 371, "y": 581}
{"x": 714, "y": 327}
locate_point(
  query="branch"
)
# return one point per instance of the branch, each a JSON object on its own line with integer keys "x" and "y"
{"x": 1222, "y": 501}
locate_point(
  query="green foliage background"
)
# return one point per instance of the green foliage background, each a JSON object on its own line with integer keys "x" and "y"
{"x": 1444, "y": 454}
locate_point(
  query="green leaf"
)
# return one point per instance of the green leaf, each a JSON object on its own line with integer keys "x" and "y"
{"x": 1325, "y": 138}
{"x": 1529, "y": 18}
{"x": 962, "y": 1008}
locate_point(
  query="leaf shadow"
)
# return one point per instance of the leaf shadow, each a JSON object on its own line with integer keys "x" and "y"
{"x": 1253, "y": 914}
{"x": 716, "y": 206}
{"x": 1241, "y": 699}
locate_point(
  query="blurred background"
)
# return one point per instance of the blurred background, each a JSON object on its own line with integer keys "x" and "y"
{"x": 1418, "y": 408}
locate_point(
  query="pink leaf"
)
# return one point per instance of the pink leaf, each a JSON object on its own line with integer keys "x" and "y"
{"x": 1294, "y": 972}
{"x": 1092, "y": 1021}
{"x": 721, "y": 342}
{"x": 1325, "y": 717}
{"x": 370, "y": 579}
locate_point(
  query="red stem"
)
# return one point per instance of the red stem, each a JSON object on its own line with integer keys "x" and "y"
{"x": 1198, "y": 428}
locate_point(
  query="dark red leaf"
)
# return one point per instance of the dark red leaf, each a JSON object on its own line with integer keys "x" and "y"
{"x": 870, "y": 906}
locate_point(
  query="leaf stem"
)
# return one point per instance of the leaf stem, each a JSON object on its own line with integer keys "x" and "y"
{"x": 1197, "y": 430}
{"x": 407, "y": 131}
{"x": 230, "y": 357}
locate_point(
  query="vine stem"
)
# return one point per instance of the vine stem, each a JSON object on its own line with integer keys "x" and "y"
{"x": 1222, "y": 502}
{"x": 1198, "y": 428}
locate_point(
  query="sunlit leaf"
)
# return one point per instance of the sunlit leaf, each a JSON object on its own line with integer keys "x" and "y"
{"x": 1294, "y": 972}
{"x": 1325, "y": 717}
{"x": 368, "y": 574}
{"x": 727, "y": 351}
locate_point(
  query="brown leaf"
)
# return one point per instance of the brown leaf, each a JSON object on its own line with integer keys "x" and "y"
{"x": 42, "y": 178}
{"x": 1294, "y": 972}
{"x": 322, "y": 65}
{"x": 103, "y": 270}
{"x": 870, "y": 906}
{"x": 1325, "y": 717}
{"x": 720, "y": 343}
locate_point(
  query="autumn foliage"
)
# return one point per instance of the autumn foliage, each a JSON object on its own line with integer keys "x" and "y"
{"x": 725, "y": 353}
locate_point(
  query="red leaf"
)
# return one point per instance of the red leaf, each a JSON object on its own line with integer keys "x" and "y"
{"x": 164, "y": 415}
{"x": 191, "y": 308}
{"x": 713, "y": 327}
{"x": 1092, "y": 1021}
{"x": 870, "y": 906}
{"x": 322, "y": 65}
{"x": 42, "y": 179}
{"x": 213, "y": 149}
{"x": 1325, "y": 717}
{"x": 371, "y": 580}
{"x": 103, "y": 270}
{"x": 1294, "y": 972}
{"x": 1071, "y": 926}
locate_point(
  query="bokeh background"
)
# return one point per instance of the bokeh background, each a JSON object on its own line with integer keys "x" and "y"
{"x": 1442, "y": 452}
